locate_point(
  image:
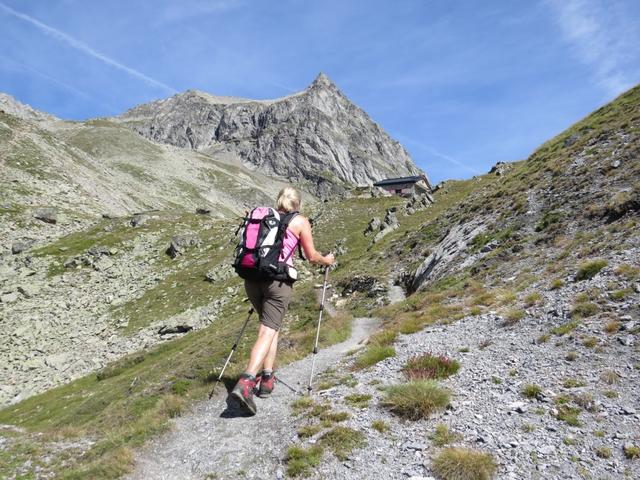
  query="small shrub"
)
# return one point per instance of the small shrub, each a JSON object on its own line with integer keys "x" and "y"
{"x": 571, "y": 440}
{"x": 612, "y": 326}
{"x": 512, "y": 317}
{"x": 484, "y": 344}
{"x": 374, "y": 354}
{"x": 573, "y": 383}
{"x": 610, "y": 377}
{"x": 532, "y": 299}
{"x": 603, "y": 452}
{"x": 598, "y": 433}
{"x": 302, "y": 461}
{"x": 463, "y": 349}
{"x": 496, "y": 380}
{"x": 531, "y": 391}
{"x": 569, "y": 415}
{"x": 416, "y": 400}
{"x": 342, "y": 441}
{"x": 631, "y": 451}
{"x": 513, "y": 372}
{"x": 475, "y": 311}
{"x": 443, "y": 436}
{"x": 611, "y": 394}
{"x": 358, "y": 400}
{"x": 543, "y": 338}
{"x": 628, "y": 272}
{"x": 590, "y": 342}
{"x": 428, "y": 366}
{"x": 565, "y": 328}
{"x": 556, "y": 284}
{"x": 571, "y": 356}
{"x": 584, "y": 310}
{"x": 380, "y": 425}
{"x": 619, "y": 295}
{"x": 590, "y": 269}
{"x": 464, "y": 464}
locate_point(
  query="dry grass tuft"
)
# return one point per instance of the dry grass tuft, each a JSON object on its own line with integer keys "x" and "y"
{"x": 429, "y": 367}
{"x": 416, "y": 400}
{"x": 464, "y": 464}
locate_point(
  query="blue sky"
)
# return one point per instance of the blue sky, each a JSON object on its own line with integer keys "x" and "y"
{"x": 461, "y": 84}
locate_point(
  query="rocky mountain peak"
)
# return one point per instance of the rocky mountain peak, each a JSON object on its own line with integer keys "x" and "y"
{"x": 322, "y": 80}
{"x": 316, "y": 138}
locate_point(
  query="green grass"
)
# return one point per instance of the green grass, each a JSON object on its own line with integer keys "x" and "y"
{"x": 464, "y": 464}
{"x": 358, "y": 400}
{"x": 584, "y": 310}
{"x": 531, "y": 391}
{"x": 430, "y": 366}
{"x": 631, "y": 452}
{"x": 372, "y": 355}
{"x": 342, "y": 441}
{"x": 569, "y": 415}
{"x": 590, "y": 269}
{"x": 442, "y": 436}
{"x": 565, "y": 328}
{"x": 380, "y": 426}
{"x": 301, "y": 461}
{"x": 416, "y": 400}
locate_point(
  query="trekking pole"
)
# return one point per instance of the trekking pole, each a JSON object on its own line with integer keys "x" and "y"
{"x": 315, "y": 346}
{"x": 233, "y": 349}
{"x": 294, "y": 390}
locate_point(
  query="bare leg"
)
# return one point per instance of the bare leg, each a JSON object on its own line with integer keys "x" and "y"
{"x": 261, "y": 348}
{"x": 271, "y": 355}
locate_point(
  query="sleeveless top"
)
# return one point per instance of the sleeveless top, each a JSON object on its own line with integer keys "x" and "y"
{"x": 289, "y": 244}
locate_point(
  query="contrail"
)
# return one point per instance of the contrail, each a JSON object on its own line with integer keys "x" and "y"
{"x": 434, "y": 152}
{"x": 84, "y": 48}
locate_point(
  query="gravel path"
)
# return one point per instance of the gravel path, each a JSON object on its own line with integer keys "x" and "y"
{"x": 216, "y": 442}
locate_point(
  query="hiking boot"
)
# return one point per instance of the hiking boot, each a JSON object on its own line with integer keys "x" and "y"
{"x": 267, "y": 383}
{"x": 243, "y": 393}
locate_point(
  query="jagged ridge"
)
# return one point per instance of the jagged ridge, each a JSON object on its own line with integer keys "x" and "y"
{"x": 318, "y": 136}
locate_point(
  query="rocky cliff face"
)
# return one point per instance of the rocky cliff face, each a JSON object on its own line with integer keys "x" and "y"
{"x": 317, "y": 137}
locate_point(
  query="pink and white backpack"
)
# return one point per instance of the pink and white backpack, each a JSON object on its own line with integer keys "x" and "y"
{"x": 258, "y": 255}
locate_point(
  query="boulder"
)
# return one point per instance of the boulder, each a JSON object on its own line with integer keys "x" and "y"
{"x": 219, "y": 273}
{"x": 180, "y": 243}
{"x": 139, "y": 219}
{"x": 500, "y": 168}
{"x": 9, "y": 297}
{"x": 19, "y": 247}
{"x": 373, "y": 226}
{"x": 203, "y": 211}
{"x": 29, "y": 290}
{"x": 47, "y": 215}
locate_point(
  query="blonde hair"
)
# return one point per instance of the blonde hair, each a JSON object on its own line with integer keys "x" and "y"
{"x": 288, "y": 200}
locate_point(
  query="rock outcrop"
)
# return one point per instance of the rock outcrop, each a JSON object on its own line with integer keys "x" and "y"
{"x": 317, "y": 137}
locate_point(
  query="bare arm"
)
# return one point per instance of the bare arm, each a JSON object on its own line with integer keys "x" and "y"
{"x": 306, "y": 240}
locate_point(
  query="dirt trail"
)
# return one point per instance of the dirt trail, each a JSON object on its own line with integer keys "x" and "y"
{"x": 214, "y": 442}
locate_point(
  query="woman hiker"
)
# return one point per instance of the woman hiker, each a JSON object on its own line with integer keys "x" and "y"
{"x": 270, "y": 299}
